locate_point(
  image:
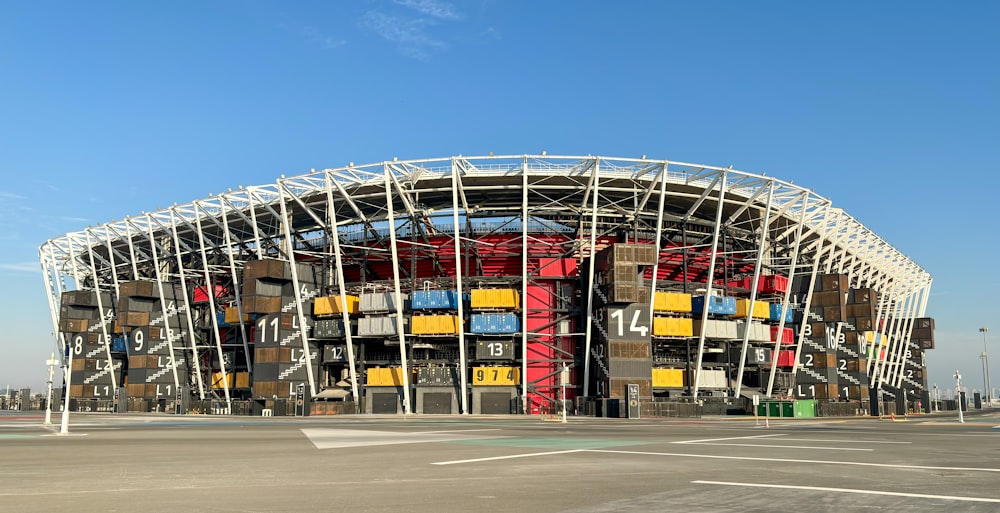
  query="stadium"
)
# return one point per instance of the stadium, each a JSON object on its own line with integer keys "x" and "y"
{"x": 519, "y": 284}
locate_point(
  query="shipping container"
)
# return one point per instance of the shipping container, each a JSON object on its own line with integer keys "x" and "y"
{"x": 266, "y": 268}
{"x": 329, "y": 305}
{"x": 830, "y": 282}
{"x": 758, "y": 332}
{"x": 201, "y": 293}
{"x": 786, "y": 358}
{"x": 668, "y": 378}
{"x": 387, "y": 376}
{"x": 712, "y": 378}
{"x": 775, "y": 313}
{"x": 435, "y": 325}
{"x": 499, "y": 299}
{"x": 496, "y": 376}
{"x": 671, "y": 302}
{"x": 267, "y": 287}
{"x": 787, "y": 335}
{"x": 232, "y": 316}
{"x": 772, "y": 284}
{"x": 329, "y": 328}
{"x": 140, "y": 288}
{"x": 434, "y": 300}
{"x": 495, "y": 323}
{"x": 381, "y": 302}
{"x": 673, "y": 327}
{"x": 715, "y": 329}
{"x": 380, "y": 326}
{"x": 254, "y": 304}
{"x": 717, "y": 305}
{"x": 625, "y": 254}
{"x": 761, "y": 310}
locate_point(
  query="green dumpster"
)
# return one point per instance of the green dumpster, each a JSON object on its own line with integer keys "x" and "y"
{"x": 804, "y": 408}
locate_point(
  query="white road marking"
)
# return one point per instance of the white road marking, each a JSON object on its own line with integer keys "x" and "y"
{"x": 457, "y": 431}
{"x": 852, "y": 490}
{"x": 790, "y": 460}
{"x": 842, "y": 441}
{"x": 326, "y": 438}
{"x": 453, "y": 462}
{"x": 789, "y": 446}
{"x": 721, "y": 439}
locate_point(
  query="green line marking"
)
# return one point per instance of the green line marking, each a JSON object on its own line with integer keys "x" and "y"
{"x": 552, "y": 443}
{"x": 5, "y": 436}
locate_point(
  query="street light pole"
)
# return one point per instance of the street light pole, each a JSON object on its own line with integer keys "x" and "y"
{"x": 986, "y": 366}
{"x": 958, "y": 396}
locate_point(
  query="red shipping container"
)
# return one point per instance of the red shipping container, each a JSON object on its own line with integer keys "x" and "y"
{"x": 557, "y": 267}
{"x": 786, "y": 358}
{"x": 772, "y": 284}
{"x": 787, "y": 336}
{"x": 201, "y": 293}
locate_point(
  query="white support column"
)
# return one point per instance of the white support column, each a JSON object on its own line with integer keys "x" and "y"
{"x": 131, "y": 249}
{"x": 708, "y": 285}
{"x": 52, "y": 289}
{"x": 105, "y": 315}
{"x": 464, "y": 361}
{"x": 192, "y": 336}
{"x": 286, "y": 222}
{"x": 764, "y": 230}
{"x": 335, "y": 236}
{"x": 588, "y": 332}
{"x": 657, "y": 240}
{"x": 524, "y": 285}
{"x": 904, "y": 337}
{"x": 163, "y": 306}
{"x": 256, "y": 229}
{"x": 793, "y": 266}
{"x": 807, "y": 304}
{"x": 210, "y": 292}
{"x": 407, "y": 406}
{"x": 64, "y": 426}
{"x": 230, "y": 249}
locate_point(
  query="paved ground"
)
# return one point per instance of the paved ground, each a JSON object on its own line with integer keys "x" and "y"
{"x": 154, "y": 463}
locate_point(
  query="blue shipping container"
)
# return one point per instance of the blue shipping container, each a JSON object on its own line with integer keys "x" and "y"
{"x": 118, "y": 344}
{"x": 718, "y": 305}
{"x": 495, "y": 323}
{"x": 434, "y": 300}
{"x": 220, "y": 317}
{"x": 776, "y": 313}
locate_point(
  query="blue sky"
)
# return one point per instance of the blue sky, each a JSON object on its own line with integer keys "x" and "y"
{"x": 890, "y": 109}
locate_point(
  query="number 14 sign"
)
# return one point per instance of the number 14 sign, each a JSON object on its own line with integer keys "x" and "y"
{"x": 628, "y": 323}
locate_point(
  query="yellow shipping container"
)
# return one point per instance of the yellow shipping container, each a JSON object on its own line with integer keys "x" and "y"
{"x": 233, "y": 316}
{"x": 761, "y": 309}
{"x": 435, "y": 325}
{"x": 329, "y": 305}
{"x": 217, "y": 381}
{"x": 673, "y": 327}
{"x": 496, "y": 376}
{"x": 242, "y": 380}
{"x": 495, "y": 298}
{"x": 671, "y": 302}
{"x": 387, "y": 377}
{"x": 668, "y": 378}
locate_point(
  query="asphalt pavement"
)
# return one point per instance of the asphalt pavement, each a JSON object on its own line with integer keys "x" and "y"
{"x": 429, "y": 463}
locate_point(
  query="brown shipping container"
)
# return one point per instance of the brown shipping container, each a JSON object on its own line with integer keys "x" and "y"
{"x": 629, "y": 350}
{"x": 862, "y": 296}
{"x": 861, "y": 310}
{"x": 266, "y": 268}
{"x": 834, "y": 282}
{"x": 136, "y": 390}
{"x": 829, "y": 298}
{"x": 864, "y": 324}
{"x": 834, "y": 313}
{"x": 139, "y": 288}
{"x": 822, "y": 360}
{"x": 619, "y": 387}
{"x": 826, "y": 391}
{"x": 73, "y": 325}
{"x": 266, "y": 355}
